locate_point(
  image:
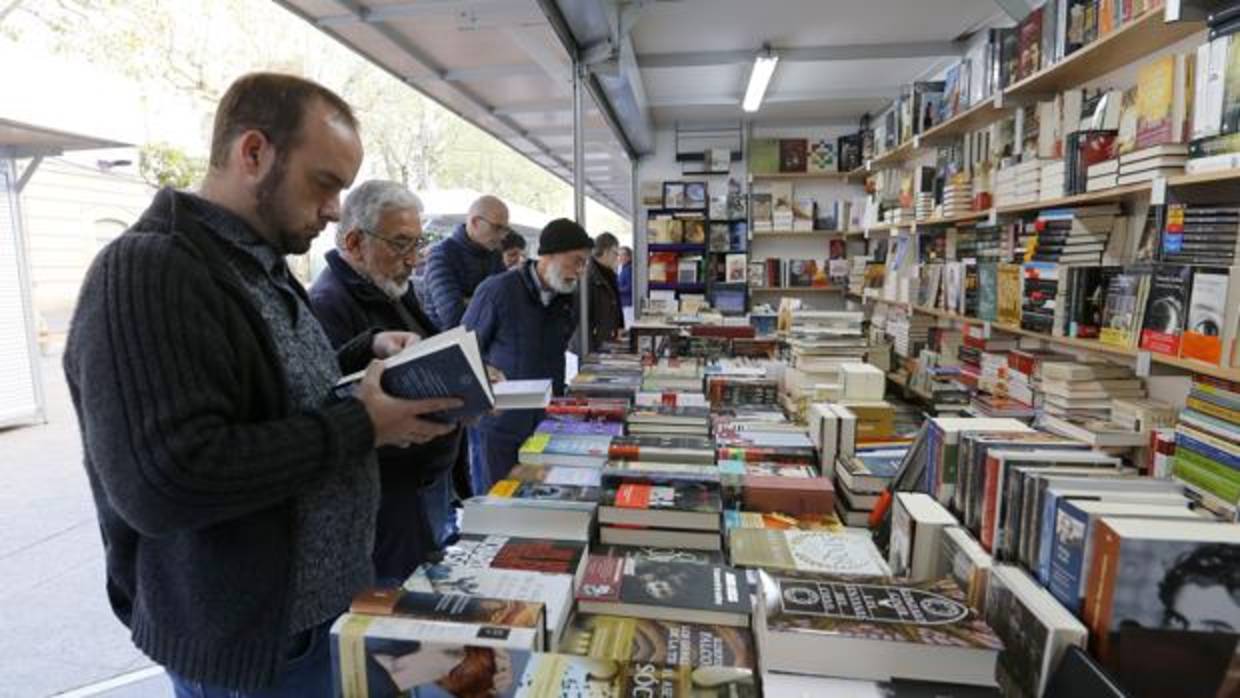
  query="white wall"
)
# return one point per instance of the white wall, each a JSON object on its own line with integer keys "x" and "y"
{"x": 70, "y": 209}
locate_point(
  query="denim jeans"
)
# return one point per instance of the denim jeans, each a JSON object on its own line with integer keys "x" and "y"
{"x": 306, "y": 674}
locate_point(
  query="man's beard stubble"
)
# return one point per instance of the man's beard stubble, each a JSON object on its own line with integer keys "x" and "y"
{"x": 272, "y": 210}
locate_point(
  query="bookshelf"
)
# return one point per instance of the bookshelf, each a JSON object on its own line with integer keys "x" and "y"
{"x": 953, "y": 220}
{"x": 898, "y": 155}
{"x": 1228, "y": 176}
{"x": 825, "y": 234}
{"x": 1093, "y": 197}
{"x": 1090, "y": 345}
{"x": 676, "y": 247}
{"x": 796, "y": 289}
{"x": 684, "y": 288}
{"x": 1138, "y": 38}
{"x": 800, "y": 176}
{"x": 971, "y": 119}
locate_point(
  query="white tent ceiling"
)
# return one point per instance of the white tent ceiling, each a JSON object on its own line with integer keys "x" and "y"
{"x": 496, "y": 63}
{"x": 506, "y": 66}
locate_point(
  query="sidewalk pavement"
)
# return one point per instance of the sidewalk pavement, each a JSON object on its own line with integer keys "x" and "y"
{"x": 59, "y": 633}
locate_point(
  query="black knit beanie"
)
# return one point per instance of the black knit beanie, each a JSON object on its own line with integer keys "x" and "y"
{"x": 563, "y": 235}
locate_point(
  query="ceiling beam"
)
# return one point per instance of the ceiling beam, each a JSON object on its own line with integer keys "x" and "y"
{"x": 851, "y": 52}
{"x": 557, "y": 106}
{"x": 555, "y": 64}
{"x": 859, "y": 93}
{"x": 490, "y": 72}
{"x": 470, "y": 14}
{"x": 1016, "y": 9}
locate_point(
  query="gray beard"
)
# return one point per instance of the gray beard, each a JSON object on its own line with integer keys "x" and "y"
{"x": 557, "y": 282}
{"x": 390, "y": 288}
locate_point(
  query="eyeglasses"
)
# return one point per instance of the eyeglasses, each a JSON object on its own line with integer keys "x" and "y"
{"x": 502, "y": 229}
{"x": 399, "y": 246}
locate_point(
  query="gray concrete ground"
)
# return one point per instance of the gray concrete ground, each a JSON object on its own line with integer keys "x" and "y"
{"x": 57, "y": 632}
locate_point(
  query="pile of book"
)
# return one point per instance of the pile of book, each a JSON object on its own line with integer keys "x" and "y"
{"x": 1207, "y": 439}
{"x": 1018, "y": 184}
{"x": 957, "y": 197}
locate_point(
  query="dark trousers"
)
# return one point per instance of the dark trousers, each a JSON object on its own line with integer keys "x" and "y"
{"x": 413, "y": 524}
{"x": 491, "y": 455}
{"x": 307, "y": 673}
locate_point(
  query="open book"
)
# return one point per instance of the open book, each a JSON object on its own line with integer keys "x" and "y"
{"x": 449, "y": 364}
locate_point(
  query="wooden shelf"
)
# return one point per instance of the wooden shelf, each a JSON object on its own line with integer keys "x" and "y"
{"x": 676, "y": 247}
{"x": 1228, "y": 176}
{"x": 797, "y": 289}
{"x": 951, "y": 220}
{"x": 1135, "y": 40}
{"x": 825, "y": 176}
{"x": 896, "y": 156}
{"x": 975, "y": 117}
{"x": 1095, "y": 197}
{"x": 888, "y": 227}
{"x": 860, "y": 172}
{"x": 1091, "y": 345}
{"x": 800, "y": 233}
{"x": 686, "y": 287}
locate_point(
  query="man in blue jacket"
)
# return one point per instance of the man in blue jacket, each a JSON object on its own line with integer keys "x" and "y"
{"x": 524, "y": 319}
{"x": 366, "y": 285}
{"x": 458, "y": 264}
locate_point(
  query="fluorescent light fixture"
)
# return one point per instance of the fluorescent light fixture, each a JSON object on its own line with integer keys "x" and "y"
{"x": 759, "y": 79}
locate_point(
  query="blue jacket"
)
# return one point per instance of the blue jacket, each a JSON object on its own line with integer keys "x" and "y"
{"x": 625, "y": 282}
{"x": 521, "y": 337}
{"x": 453, "y": 271}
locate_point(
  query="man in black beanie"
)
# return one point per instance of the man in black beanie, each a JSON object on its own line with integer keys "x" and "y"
{"x": 524, "y": 319}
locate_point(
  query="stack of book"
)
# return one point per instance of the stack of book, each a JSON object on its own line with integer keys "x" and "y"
{"x": 1207, "y": 439}
{"x": 673, "y": 375}
{"x": 1147, "y": 163}
{"x": 1074, "y": 236}
{"x": 1053, "y": 181}
{"x": 1018, "y": 184}
{"x": 1042, "y": 303}
{"x": 861, "y": 477}
{"x": 1084, "y": 391}
{"x": 663, "y": 504}
{"x": 1201, "y": 234}
{"x": 908, "y": 331}
{"x": 957, "y": 197}
{"x": 669, "y": 420}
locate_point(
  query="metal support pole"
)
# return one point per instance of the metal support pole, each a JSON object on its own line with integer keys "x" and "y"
{"x": 638, "y": 261}
{"x": 579, "y": 194}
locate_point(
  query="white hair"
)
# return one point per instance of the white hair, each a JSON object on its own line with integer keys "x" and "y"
{"x": 368, "y": 201}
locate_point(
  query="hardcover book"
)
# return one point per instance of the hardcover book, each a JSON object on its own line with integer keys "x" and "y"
{"x": 666, "y": 503}
{"x": 1035, "y": 630}
{"x": 662, "y": 643}
{"x": 792, "y": 154}
{"x": 1167, "y": 309}
{"x": 685, "y": 592}
{"x": 842, "y": 553}
{"x": 446, "y": 365}
{"x": 873, "y": 628}
{"x": 514, "y": 553}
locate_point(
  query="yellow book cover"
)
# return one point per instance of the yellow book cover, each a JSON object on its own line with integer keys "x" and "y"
{"x": 1155, "y": 102}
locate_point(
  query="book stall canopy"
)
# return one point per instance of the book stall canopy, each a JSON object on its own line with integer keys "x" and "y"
{"x": 21, "y": 389}
{"x": 500, "y": 66}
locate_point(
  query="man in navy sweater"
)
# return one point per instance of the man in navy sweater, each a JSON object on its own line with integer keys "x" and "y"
{"x": 458, "y": 264}
{"x": 524, "y": 319}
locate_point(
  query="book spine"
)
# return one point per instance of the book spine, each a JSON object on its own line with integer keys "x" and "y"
{"x": 1200, "y": 474}
{"x": 1208, "y": 451}
{"x": 1206, "y": 407}
{"x": 990, "y": 503}
{"x": 1103, "y": 566}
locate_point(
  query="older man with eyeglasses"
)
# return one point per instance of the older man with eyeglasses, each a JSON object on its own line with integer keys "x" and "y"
{"x": 460, "y": 263}
{"x": 364, "y": 286}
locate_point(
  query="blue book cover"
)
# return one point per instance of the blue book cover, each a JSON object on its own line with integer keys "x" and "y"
{"x": 1209, "y": 451}
{"x": 1068, "y": 556}
{"x": 446, "y": 365}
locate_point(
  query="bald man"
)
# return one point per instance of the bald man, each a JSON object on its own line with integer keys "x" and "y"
{"x": 457, "y": 265}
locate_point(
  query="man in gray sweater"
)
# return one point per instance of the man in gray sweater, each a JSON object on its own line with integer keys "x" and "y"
{"x": 236, "y": 499}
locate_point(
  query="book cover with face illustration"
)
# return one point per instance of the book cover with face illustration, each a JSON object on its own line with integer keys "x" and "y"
{"x": 666, "y": 643}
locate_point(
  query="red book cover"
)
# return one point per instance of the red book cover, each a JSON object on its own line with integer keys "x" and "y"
{"x": 632, "y": 495}
{"x": 601, "y": 581}
{"x": 1030, "y": 31}
{"x": 794, "y": 496}
{"x": 990, "y": 503}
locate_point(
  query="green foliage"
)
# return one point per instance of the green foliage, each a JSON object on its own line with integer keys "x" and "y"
{"x": 163, "y": 165}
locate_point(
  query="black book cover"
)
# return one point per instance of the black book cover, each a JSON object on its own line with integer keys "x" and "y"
{"x": 1166, "y": 309}
{"x": 1079, "y": 676}
{"x": 682, "y": 585}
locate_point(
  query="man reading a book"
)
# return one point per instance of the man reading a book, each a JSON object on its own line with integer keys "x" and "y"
{"x": 524, "y": 319}
{"x": 235, "y": 496}
{"x": 366, "y": 284}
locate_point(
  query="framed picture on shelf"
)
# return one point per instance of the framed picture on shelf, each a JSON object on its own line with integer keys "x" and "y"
{"x": 673, "y": 195}
{"x": 695, "y": 195}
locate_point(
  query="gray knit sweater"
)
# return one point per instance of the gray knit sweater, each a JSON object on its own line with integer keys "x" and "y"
{"x": 201, "y": 457}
